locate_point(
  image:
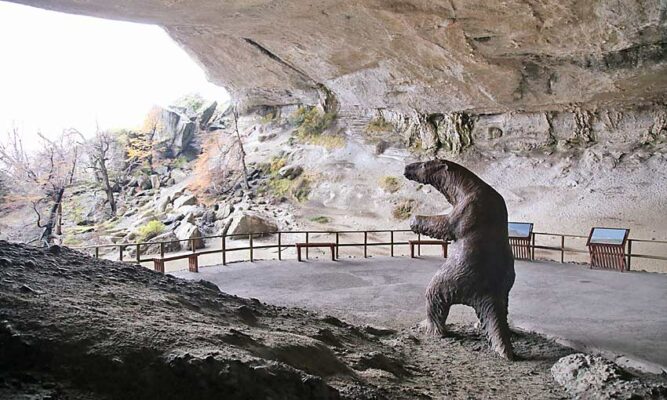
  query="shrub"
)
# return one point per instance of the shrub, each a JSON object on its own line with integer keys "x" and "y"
{"x": 310, "y": 125}
{"x": 150, "y": 230}
{"x": 390, "y": 184}
{"x": 403, "y": 210}
{"x": 298, "y": 189}
{"x": 280, "y": 187}
{"x": 276, "y": 164}
{"x": 379, "y": 125}
{"x": 268, "y": 118}
{"x": 191, "y": 101}
{"x": 180, "y": 162}
{"x": 320, "y": 219}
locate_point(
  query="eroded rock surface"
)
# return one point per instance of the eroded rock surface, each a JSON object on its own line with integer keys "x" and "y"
{"x": 433, "y": 56}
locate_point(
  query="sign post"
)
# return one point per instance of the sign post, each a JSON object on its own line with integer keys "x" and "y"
{"x": 520, "y": 234}
{"x": 607, "y": 248}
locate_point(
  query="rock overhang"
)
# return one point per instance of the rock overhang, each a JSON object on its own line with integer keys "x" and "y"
{"x": 476, "y": 56}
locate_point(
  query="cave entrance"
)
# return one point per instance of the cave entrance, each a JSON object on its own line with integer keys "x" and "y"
{"x": 63, "y": 71}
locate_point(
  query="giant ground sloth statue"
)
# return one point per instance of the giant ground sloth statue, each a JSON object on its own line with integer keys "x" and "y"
{"x": 479, "y": 271}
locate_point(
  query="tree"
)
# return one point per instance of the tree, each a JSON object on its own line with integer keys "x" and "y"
{"x": 240, "y": 146}
{"x": 221, "y": 168}
{"x": 42, "y": 179}
{"x": 106, "y": 159}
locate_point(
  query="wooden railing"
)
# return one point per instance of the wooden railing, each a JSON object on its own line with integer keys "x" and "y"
{"x": 280, "y": 245}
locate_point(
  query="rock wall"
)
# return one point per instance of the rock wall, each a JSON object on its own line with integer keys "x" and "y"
{"x": 444, "y": 56}
{"x": 627, "y": 129}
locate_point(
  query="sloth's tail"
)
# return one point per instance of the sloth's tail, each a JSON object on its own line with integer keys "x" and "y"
{"x": 492, "y": 313}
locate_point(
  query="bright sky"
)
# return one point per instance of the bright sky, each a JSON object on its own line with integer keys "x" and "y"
{"x": 59, "y": 71}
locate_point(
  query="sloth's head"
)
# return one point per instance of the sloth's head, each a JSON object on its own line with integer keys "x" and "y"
{"x": 426, "y": 172}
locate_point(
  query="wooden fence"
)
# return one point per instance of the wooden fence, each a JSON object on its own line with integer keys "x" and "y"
{"x": 565, "y": 245}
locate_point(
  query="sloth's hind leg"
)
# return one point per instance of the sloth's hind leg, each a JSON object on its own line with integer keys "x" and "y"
{"x": 437, "y": 305}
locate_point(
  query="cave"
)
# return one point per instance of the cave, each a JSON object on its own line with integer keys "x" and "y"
{"x": 175, "y": 274}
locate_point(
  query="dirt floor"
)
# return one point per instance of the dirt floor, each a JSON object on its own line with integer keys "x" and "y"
{"x": 73, "y": 327}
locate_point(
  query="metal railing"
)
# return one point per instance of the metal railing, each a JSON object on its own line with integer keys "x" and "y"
{"x": 140, "y": 248}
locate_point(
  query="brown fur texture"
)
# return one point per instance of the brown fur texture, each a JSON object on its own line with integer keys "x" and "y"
{"x": 479, "y": 271}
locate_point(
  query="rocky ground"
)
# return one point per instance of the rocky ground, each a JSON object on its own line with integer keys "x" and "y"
{"x": 73, "y": 327}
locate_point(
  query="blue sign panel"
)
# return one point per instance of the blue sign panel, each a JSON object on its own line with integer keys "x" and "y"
{"x": 608, "y": 236}
{"x": 520, "y": 229}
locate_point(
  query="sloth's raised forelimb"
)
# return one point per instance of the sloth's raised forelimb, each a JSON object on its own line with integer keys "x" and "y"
{"x": 435, "y": 226}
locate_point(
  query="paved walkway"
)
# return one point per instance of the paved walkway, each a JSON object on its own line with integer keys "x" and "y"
{"x": 623, "y": 314}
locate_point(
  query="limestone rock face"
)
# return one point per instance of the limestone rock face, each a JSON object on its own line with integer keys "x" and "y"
{"x": 478, "y": 56}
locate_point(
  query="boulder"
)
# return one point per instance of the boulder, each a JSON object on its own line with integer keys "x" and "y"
{"x": 175, "y": 132}
{"x": 188, "y": 231}
{"x": 155, "y": 181}
{"x": 224, "y": 212}
{"x": 185, "y": 200}
{"x": 245, "y": 223}
{"x": 585, "y": 376}
{"x": 171, "y": 245}
{"x": 143, "y": 183}
{"x": 206, "y": 115}
{"x": 178, "y": 175}
{"x": 290, "y": 171}
{"x": 163, "y": 202}
{"x": 209, "y": 216}
{"x": 173, "y": 217}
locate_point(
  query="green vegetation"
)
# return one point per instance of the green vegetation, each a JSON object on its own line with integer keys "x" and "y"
{"x": 280, "y": 187}
{"x": 390, "y": 184}
{"x": 403, "y": 210}
{"x": 320, "y": 219}
{"x": 150, "y": 230}
{"x": 379, "y": 125}
{"x": 276, "y": 164}
{"x": 268, "y": 118}
{"x": 311, "y": 123}
{"x": 180, "y": 162}
{"x": 192, "y": 101}
{"x": 301, "y": 190}
{"x": 298, "y": 189}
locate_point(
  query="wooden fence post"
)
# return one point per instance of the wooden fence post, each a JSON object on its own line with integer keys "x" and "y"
{"x": 251, "y": 253}
{"x": 562, "y": 249}
{"x": 629, "y": 254}
{"x": 365, "y": 244}
{"x": 97, "y": 252}
{"x": 138, "y": 253}
{"x": 392, "y": 242}
{"x": 224, "y": 250}
{"x": 337, "y": 243}
{"x": 280, "y": 247}
{"x": 121, "y": 252}
{"x": 307, "y": 236}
